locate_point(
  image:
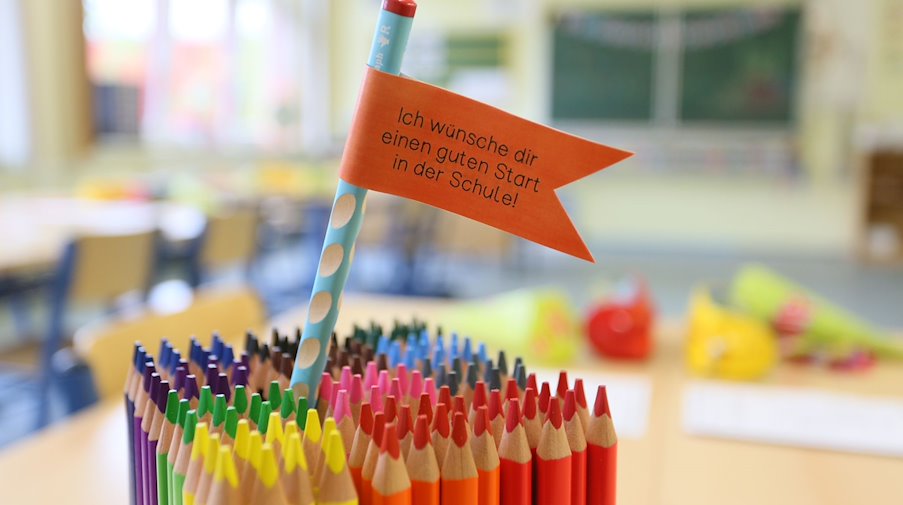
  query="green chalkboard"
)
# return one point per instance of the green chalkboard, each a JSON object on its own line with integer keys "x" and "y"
{"x": 603, "y": 66}
{"x": 739, "y": 65}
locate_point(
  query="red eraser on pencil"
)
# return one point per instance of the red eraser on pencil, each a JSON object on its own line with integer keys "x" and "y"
{"x": 405, "y": 8}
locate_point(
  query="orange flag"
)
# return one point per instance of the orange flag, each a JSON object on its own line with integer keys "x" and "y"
{"x": 428, "y": 144}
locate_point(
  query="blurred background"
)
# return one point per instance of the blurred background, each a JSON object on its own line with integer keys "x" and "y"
{"x": 154, "y": 149}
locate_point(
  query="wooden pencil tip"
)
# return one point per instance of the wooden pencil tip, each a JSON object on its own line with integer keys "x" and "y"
{"x": 390, "y": 441}
{"x": 335, "y": 453}
{"x": 495, "y": 404}
{"x": 511, "y": 390}
{"x": 460, "y": 406}
{"x": 440, "y": 421}
{"x": 570, "y": 404}
{"x": 601, "y": 406}
{"x": 555, "y": 414}
{"x": 514, "y": 417}
{"x": 482, "y": 419}
{"x": 545, "y": 395}
{"x": 479, "y": 394}
{"x": 421, "y": 432}
{"x": 459, "y": 430}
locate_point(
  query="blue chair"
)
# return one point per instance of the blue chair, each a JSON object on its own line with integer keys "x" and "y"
{"x": 93, "y": 269}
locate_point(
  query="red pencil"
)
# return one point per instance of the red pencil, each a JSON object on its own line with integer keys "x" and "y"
{"x": 573, "y": 428}
{"x": 496, "y": 416}
{"x": 602, "y": 453}
{"x": 516, "y": 478}
{"x": 369, "y": 468}
{"x": 553, "y": 461}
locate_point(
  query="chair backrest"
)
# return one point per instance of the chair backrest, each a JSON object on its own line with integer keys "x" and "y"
{"x": 230, "y": 239}
{"x": 107, "y": 346}
{"x": 104, "y": 267}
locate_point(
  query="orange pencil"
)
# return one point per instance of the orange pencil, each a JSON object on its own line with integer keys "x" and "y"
{"x": 573, "y": 428}
{"x": 441, "y": 431}
{"x": 459, "y": 477}
{"x": 391, "y": 484}
{"x": 423, "y": 469}
{"x": 486, "y": 459}
{"x": 553, "y": 461}
{"x": 369, "y": 468}
{"x": 336, "y": 488}
{"x": 601, "y": 453}
{"x": 360, "y": 444}
{"x": 516, "y": 467}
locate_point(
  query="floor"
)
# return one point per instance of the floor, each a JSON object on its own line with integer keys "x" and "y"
{"x": 873, "y": 293}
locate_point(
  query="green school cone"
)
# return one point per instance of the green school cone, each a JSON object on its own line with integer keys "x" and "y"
{"x": 819, "y": 323}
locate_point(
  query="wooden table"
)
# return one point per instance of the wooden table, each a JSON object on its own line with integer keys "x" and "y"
{"x": 84, "y": 460}
{"x": 35, "y": 229}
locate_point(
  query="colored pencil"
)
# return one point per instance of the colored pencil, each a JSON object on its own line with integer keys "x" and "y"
{"x": 602, "y": 453}
{"x": 515, "y": 460}
{"x": 486, "y": 459}
{"x": 360, "y": 444}
{"x": 553, "y": 461}
{"x": 370, "y": 460}
{"x": 336, "y": 488}
{"x": 423, "y": 468}
{"x": 224, "y": 490}
{"x": 266, "y": 488}
{"x": 459, "y": 477}
{"x": 391, "y": 484}
{"x": 296, "y": 480}
{"x": 573, "y": 428}
{"x": 441, "y": 431}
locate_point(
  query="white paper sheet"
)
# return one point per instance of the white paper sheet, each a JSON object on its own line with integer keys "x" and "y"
{"x": 795, "y": 416}
{"x": 628, "y": 396}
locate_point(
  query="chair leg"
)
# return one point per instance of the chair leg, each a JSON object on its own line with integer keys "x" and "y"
{"x": 21, "y": 320}
{"x": 51, "y": 345}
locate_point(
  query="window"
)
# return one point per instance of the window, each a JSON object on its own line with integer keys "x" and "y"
{"x": 196, "y": 74}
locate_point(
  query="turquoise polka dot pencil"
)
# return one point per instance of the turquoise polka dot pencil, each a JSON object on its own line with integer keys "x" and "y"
{"x": 392, "y": 29}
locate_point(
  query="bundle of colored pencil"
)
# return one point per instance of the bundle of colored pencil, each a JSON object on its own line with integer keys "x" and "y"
{"x": 402, "y": 419}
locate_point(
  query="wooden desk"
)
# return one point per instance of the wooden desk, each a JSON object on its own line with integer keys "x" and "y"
{"x": 84, "y": 460}
{"x": 35, "y": 229}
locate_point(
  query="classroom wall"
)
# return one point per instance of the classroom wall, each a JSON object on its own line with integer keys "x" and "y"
{"x": 851, "y": 77}
{"x": 60, "y": 96}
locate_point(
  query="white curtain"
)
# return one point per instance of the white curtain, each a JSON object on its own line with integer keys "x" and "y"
{"x": 15, "y": 134}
